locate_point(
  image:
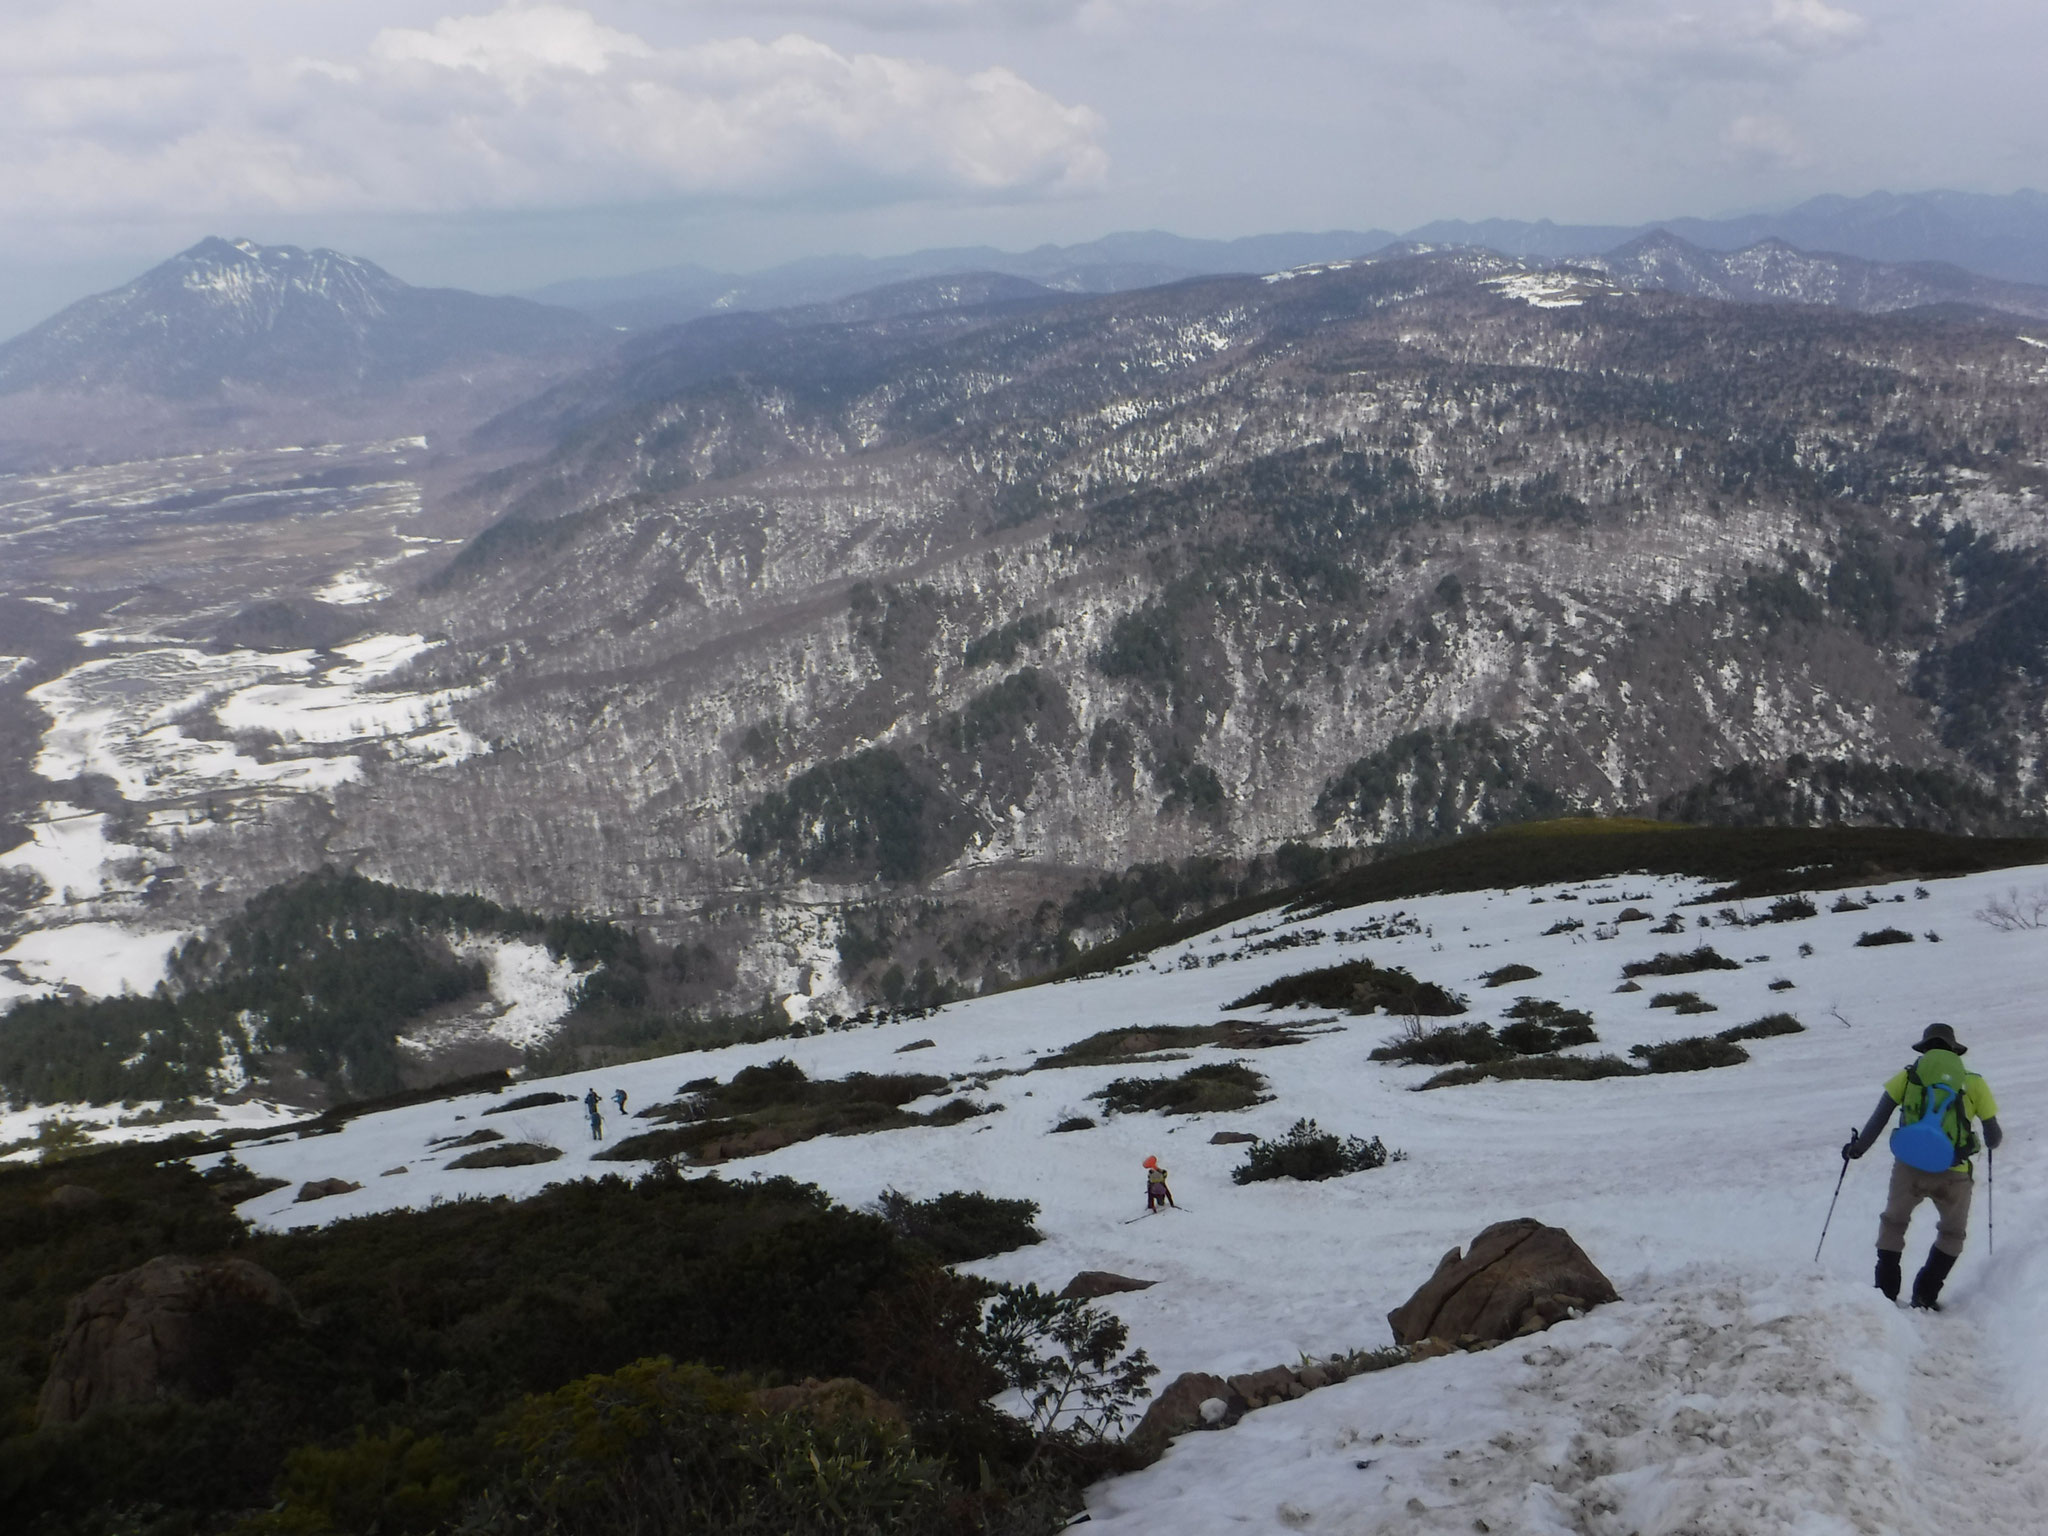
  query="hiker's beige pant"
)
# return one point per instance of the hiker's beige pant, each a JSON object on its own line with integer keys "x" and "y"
{"x": 1950, "y": 1193}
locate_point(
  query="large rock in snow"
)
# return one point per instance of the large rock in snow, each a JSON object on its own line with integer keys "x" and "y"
{"x": 1518, "y": 1277}
{"x": 173, "y": 1327}
{"x": 1178, "y": 1409}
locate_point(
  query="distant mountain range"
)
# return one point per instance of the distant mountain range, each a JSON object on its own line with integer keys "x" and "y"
{"x": 1996, "y": 237}
{"x": 1772, "y": 272}
{"x": 233, "y": 315}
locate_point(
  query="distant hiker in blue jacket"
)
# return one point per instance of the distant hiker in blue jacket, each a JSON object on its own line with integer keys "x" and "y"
{"x": 619, "y": 1098}
{"x": 592, "y": 1104}
{"x": 1935, "y": 1099}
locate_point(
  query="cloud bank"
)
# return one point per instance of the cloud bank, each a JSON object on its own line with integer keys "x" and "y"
{"x": 527, "y": 106}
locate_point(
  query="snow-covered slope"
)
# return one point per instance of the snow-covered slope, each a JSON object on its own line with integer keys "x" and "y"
{"x": 1738, "y": 1388}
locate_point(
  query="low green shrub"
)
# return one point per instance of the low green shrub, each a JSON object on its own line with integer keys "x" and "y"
{"x": 661, "y": 1447}
{"x": 511, "y": 1154}
{"x": 775, "y": 1105}
{"x": 1357, "y": 986}
{"x": 1684, "y": 1002}
{"x": 1510, "y": 973}
{"x": 1883, "y": 936}
{"x": 1221, "y": 1085}
{"x": 1763, "y": 1028}
{"x": 1468, "y": 1043}
{"x": 1696, "y": 1053}
{"x": 1564, "y": 1069}
{"x": 1539, "y": 1027}
{"x": 963, "y": 1224}
{"x": 1705, "y": 958}
{"x": 528, "y": 1101}
{"x": 1074, "y": 1123}
{"x": 1309, "y": 1153}
{"x": 1789, "y": 909}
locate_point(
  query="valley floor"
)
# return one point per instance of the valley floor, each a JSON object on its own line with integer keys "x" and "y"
{"x": 1738, "y": 1388}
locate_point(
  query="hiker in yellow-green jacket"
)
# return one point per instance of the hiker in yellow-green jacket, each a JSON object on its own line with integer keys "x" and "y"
{"x": 1936, "y": 1099}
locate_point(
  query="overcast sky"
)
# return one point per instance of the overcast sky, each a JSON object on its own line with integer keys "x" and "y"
{"x": 501, "y": 146}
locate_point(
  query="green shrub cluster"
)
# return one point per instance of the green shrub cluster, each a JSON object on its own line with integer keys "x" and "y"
{"x": 963, "y": 1224}
{"x": 1536, "y": 1028}
{"x": 1705, "y": 958}
{"x": 1308, "y": 1152}
{"x": 1222, "y": 1085}
{"x": 1357, "y": 986}
{"x": 498, "y": 1366}
{"x": 1883, "y": 936}
{"x": 1563, "y": 1069}
{"x": 1684, "y": 1002}
{"x": 775, "y": 1105}
{"x": 1696, "y": 1053}
{"x": 1510, "y": 973}
{"x": 1763, "y": 1028}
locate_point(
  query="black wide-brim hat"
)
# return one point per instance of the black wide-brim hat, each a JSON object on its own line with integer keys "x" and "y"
{"x": 1939, "y": 1037}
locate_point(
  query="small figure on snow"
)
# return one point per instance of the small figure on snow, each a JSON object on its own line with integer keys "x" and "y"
{"x": 1936, "y": 1100}
{"x": 592, "y": 1103}
{"x": 1156, "y": 1191}
{"x": 619, "y": 1098}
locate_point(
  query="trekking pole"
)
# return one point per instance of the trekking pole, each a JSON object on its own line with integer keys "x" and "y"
{"x": 1991, "y": 1199}
{"x": 1831, "y": 1203}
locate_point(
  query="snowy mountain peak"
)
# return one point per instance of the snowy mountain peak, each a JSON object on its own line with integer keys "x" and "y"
{"x": 232, "y": 312}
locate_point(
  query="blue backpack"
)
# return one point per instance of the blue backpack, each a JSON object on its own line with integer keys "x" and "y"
{"x": 1938, "y": 1137}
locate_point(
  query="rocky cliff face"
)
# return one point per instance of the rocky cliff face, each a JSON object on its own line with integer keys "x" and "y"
{"x": 859, "y": 647}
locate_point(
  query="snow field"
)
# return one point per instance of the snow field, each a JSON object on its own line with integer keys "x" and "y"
{"x": 104, "y": 959}
{"x": 1738, "y": 1388}
{"x": 120, "y": 716}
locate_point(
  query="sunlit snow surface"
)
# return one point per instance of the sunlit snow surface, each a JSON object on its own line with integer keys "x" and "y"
{"x": 105, "y": 959}
{"x": 1739, "y": 1389}
{"x": 1549, "y": 290}
{"x": 69, "y": 852}
{"x": 127, "y": 717}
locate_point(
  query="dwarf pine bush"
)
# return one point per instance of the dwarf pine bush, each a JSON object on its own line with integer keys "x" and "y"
{"x": 1308, "y": 1152}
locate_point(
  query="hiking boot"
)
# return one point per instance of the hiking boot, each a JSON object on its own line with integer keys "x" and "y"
{"x": 1888, "y": 1273}
{"x": 1927, "y": 1284}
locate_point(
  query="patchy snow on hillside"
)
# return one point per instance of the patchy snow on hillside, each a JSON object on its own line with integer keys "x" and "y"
{"x": 100, "y": 959}
{"x": 126, "y": 716}
{"x": 531, "y": 991}
{"x": 70, "y": 853}
{"x": 1740, "y": 1388}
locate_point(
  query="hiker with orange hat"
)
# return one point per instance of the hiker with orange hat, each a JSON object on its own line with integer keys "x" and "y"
{"x": 1155, "y": 1186}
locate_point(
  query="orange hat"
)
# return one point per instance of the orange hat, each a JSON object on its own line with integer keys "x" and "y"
{"x": 1151, "y": 1162}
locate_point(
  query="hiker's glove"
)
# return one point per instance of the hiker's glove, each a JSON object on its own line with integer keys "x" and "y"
{"x": 1853, "y": 1149}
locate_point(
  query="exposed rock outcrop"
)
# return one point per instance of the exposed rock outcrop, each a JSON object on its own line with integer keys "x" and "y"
{"x": 1091, "y": 1283}
{"x": 1518, "y": 1277}
{"x": 1178, "y": 1409}
{"x": 320, "y": 1189}
{"x": 170, "y": 1328}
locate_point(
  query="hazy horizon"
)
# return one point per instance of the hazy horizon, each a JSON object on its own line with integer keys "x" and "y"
{"x": 503, "y": 146}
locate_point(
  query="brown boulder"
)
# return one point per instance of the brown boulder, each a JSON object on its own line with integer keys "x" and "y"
{"x": 173, "y": 1327}
{"x": 1178, "y": 1409}
{"x": 1518, "y": 1277}
{"x": 1230, "y": 1138}
{"x": 1273, "y": 1385}
{"x": 320, "y": 1189}
{"x": 1090, "y": 1283}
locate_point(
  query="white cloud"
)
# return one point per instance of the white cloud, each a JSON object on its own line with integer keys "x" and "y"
{"x": 528, "y": 106}
{"x": 1704, "y": 37}
{"x": 1764, "y": 141}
